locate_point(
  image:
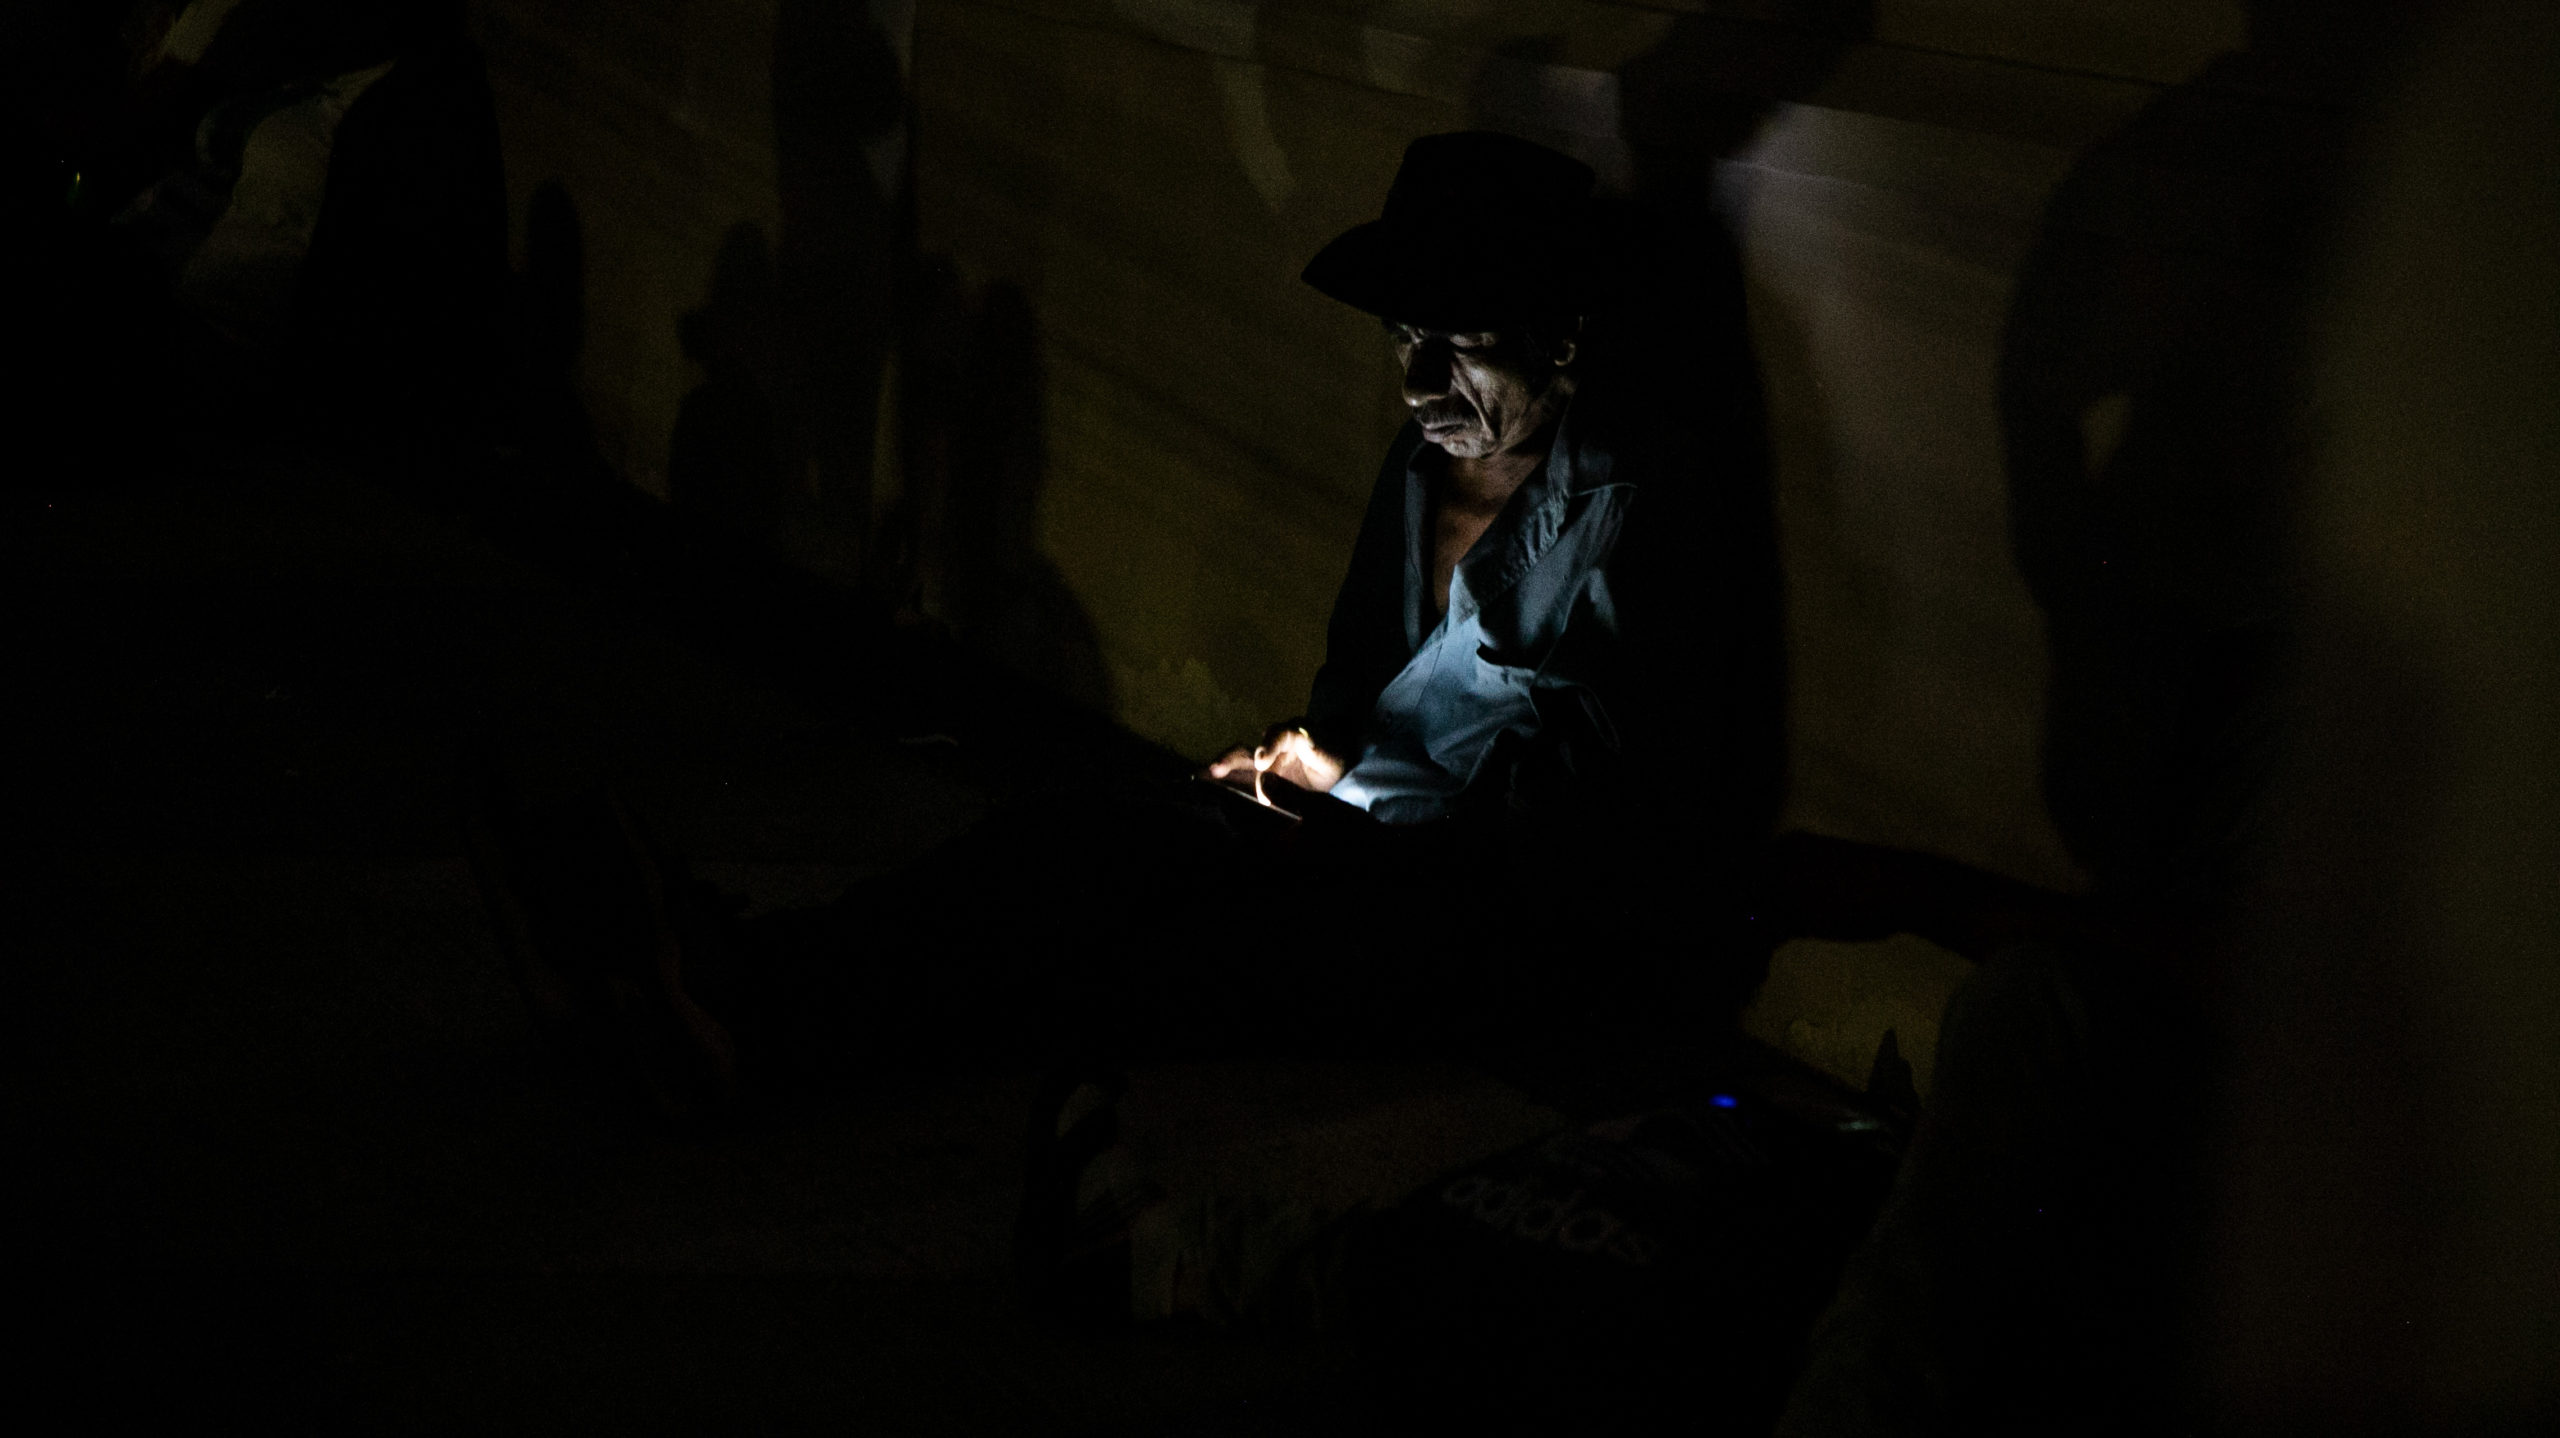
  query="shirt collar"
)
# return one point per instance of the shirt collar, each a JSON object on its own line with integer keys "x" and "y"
{"x": 1518, "y": 537}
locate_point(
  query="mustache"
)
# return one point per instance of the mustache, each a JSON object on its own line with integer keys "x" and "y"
{"x": 1432, "y": 416}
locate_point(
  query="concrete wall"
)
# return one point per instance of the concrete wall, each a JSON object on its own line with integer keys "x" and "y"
{"x": 1131, "y": 187}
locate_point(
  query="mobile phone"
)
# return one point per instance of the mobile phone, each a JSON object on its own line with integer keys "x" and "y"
{"x": 1249, "y": 810}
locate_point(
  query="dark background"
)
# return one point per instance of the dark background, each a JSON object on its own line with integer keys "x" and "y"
{"x": 820, "y": 420}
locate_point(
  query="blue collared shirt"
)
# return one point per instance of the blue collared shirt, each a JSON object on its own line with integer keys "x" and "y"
{"x": 1588, "y": 637}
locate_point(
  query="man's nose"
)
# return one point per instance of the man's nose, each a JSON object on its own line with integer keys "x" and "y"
{"x": 1426, "y": 374}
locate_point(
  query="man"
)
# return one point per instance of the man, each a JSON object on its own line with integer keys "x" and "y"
{"x": 1554, "y": 603}
{"x": 1548, "y": 693}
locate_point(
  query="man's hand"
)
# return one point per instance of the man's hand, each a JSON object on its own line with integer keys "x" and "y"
{"x": 1287, "y": 751}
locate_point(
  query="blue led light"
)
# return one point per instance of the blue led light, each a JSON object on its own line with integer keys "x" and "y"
{"x": 1725, "y": 1100}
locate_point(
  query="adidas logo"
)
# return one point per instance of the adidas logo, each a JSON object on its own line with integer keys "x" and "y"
{"x": 1516, "y": 1210}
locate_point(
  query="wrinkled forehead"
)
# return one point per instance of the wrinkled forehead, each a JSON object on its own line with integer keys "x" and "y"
{"x": 1489, "y": 335}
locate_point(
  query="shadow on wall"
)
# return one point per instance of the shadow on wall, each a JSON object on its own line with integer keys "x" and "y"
{"x": 397, "y": 315}
{"x": 777, "y": 530}
{"x": 2150, "y": 403}
{"x": 1682, "y": 336}
{"x": 1701, "y": 96}
{"x": 1692, "y": 103}
{"x": 962, "y": 541}
{"x": 773, "y": 452}
{"x": 2152, "y": 391}
{"x": 548, "y": 324}
{"x": 724, "y": 475}
{"x": 839, "y": 107}
{"x": 553, "y": 489}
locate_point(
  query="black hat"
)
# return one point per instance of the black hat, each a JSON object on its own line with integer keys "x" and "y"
{"x": 1480, "y": 230}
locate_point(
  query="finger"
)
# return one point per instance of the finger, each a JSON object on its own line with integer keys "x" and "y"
{"x": 1282, "y": 741}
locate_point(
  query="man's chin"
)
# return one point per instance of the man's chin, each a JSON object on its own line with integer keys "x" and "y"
{"x": 1460, "y": 443}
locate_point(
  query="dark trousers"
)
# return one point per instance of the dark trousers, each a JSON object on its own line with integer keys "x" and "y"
{"x": 1100, "y": 926}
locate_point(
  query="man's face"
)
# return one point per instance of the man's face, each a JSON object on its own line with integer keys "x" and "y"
{"x": 1477, "y": 395}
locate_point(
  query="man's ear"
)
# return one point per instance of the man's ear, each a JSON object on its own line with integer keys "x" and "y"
{"x": 1569, "y": 343}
